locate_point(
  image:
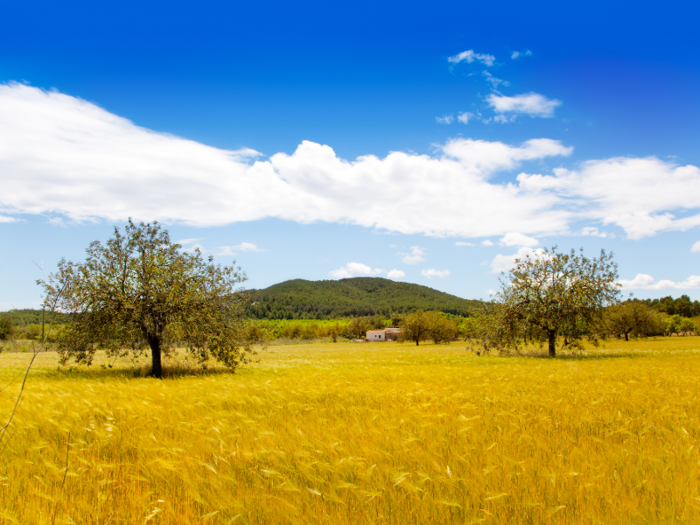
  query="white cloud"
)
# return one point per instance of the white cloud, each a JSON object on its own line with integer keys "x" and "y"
{"x": 638, "y": 195}
{"x": 465, "y": 117}
{"x": 591, "y": 231}
{"x": 232, "y": 250}
{"x": 696, "y": 247}
{"x": 517, "y": 54}
{"x": 486, "y": 243}
{"x": 220, "y": 250}
{"x": 460, "y": 243}
{"x": 71, "y": 160}
{"x": 532, "y": 104}
{"x": 354, "y": 269}
{"x": 188, "y": 241}
{"x": 470, "y": 56}
{"x": 494, "y": 81}
{"x": 518, "y": 239}
{"x": 646, "y": 282}
{"x": 447, "y": 119}
{"x": 415, "y": 257}
{"x": 503, "y": 263}
{"x": 432, "y": 272}
{"x": 502, "y": 119}
{"x": 396, "y": 274}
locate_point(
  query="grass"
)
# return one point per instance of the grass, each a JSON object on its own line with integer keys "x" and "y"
{"x": 360, "y": 433}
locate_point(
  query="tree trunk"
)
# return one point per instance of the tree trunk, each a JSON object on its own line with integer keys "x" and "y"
{"x": 156, "y": 369}
{"x": 417, "y": 339}
{"x": 627, "y": 337}
{"x": 552, "y": 343}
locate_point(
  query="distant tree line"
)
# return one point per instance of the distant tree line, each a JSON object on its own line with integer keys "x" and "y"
{"x": 681, "y": 306}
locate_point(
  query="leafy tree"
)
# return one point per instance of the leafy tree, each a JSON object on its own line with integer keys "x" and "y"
{"x": 673, "y": 324}
{"x": 553, "y": 294}
{"x": 7, "y": 328}
{"x": 632, "y": 318}
{"x": 687, "y": 326}
{"x": 415, "y": 327}
{"x": 440, "y": 328}
{"x": 359, "y": 327}
{"x": 140, "y": 291}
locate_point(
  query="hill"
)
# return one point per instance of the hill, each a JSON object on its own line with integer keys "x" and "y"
{"x": 358, "y": 296}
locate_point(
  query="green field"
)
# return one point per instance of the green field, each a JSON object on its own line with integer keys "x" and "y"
{"x": 360, "y": 433}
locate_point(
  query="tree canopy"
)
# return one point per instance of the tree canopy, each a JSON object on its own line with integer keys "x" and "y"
{"x": 552, "y": 294}
{"x": 141, "y": 291}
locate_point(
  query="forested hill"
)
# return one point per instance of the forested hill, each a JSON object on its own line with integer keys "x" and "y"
{"x": 359, "y": 296}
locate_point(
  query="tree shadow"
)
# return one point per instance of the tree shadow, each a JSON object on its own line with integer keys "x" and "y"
{"x": 575, "y": 356}
{"x": 137, "y": 371}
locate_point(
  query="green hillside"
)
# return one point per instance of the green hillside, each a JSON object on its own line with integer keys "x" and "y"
{"x": 359, "y": 296}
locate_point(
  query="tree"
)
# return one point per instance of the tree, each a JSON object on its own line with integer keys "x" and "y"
{"x": 552, "y": 294}
{"x": 7, "y": 327}
{"x": 632, "y": 317}
{"x": 440, "y": 328}
{"x": 687, "y": 326}
{"x": 358, "y": 327}
{"x": 140, "y": 291}
{"x": 415, "y": 327}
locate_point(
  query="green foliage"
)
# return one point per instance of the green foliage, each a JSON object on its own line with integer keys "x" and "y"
{"x": 675, "y": 324}
{"x": 552, "y": 295}
{"x": 140, "y": 290}
{"x": 356, "y": 297}
{"x": 7, "y": 328}
{"x": 440, "y": 328}
{"x": 681, "y": 306}
{"x": 687, "y": 326}
{"x": 415, "y": 327}
{"x": 633, "y": 317}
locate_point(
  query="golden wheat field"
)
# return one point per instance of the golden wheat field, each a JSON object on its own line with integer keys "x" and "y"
{"x": 360, "y": 433}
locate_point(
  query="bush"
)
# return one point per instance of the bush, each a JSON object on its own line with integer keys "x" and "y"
{"x": 7, "y": 328}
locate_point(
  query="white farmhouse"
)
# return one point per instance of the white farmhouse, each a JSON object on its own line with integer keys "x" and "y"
{"x": 388, "y": 334}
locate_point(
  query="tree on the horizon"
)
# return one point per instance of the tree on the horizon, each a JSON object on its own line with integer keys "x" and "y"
{"x": 142, "y": 291}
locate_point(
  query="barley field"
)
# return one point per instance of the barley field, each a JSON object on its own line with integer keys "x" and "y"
{"x": 382, "y": 433}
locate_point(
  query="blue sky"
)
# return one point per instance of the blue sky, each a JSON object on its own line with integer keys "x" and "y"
{"x": 430, "y": 143}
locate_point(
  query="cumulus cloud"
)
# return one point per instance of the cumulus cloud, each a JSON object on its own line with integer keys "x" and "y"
{"x": 696, "y": 247}
{"x": 71, "y": 160}
{"x": 460, "y": 243}
{"x": 518, "y": 239}
{"x": 494, "y": 81}
{"x": 447, "y": 119}
{"x": 395, "y": 274}
{"x": 486, "y": 243}
{"x": 503, "y": 263}
{"x": 532, "y": 104}
{"x": 219, "y": 250}
{"x": 646, "y": 282}
{"x": 470, "y": 56}
{"x": 638, "y": 195}
{"x": 232, "y": 250}
{"x": 516, "y": 54}
{"x": 592, "y": 231}
{"x": 355, "y": 269}
{"x": 432, "y": 272}
{"x": 465, "y": 117}
{"x": 415, "y": 257}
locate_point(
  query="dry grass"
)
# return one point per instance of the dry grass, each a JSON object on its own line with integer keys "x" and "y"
{"x": 361, "y": 433}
